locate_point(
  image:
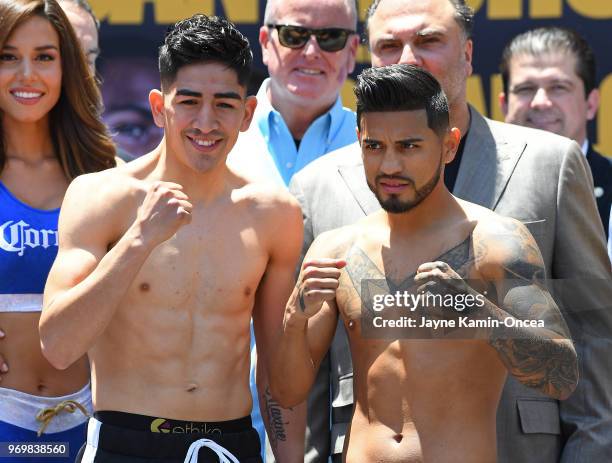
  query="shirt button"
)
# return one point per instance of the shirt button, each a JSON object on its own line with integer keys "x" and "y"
{"x": 599, "y": 192}
{"x": 289, "y": 165}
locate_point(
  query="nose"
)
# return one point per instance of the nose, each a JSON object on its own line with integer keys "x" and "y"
{"x": 409, "y": 56}
{"x": 311, "y": 49}
{"x": 390, "y": 164}
{"x": 540, "y": 99}
{"x": 206, "y": 119}
{"x": 26, "y": 70}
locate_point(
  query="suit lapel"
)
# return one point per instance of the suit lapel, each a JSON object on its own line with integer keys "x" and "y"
{"x": 486, "y": 165}
{"x": 354, "y": 177}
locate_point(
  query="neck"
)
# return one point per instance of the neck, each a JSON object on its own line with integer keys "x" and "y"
{"x": 29, "y": 141}
{"x": 203, "y": 187}
{"x": 460, "y": 116}
{"x": 427, "y": 216}
{"x": 298, "y": 116}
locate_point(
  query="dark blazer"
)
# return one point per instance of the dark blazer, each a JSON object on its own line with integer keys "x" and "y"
{"x": 543, "y": 180}
{"x": 601, "y": 168}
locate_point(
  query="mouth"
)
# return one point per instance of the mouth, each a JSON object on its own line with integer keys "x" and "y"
{"x": 27, "y": 97}
{"x": 309, "y": 72}
{"x": 393, "y": 186}
{"x": 204, "y": 145}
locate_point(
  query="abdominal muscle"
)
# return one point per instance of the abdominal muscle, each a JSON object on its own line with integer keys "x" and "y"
{"x": 180, "y": 363}
{"x": 29, "y": 371}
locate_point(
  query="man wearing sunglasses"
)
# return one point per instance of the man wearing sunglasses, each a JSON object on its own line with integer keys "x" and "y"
{"x": 538, "y": 178}
{"x": 309, "y": 49}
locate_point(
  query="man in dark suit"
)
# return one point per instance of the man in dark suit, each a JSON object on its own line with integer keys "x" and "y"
{"x": 548, "y": 79}
{"x": 539, "y": 178}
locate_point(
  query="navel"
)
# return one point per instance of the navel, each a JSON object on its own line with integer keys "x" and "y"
{"x": 144, "y": 287}
{"x": 192, "y": 387}
{"x": 398, "y": 438}
{"x": 247, "y": 291}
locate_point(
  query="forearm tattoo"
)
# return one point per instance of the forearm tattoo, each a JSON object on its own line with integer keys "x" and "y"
{"x": 276, "y": 423}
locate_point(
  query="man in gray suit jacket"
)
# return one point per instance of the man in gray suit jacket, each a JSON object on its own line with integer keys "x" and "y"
{"x": 536, "y": 177}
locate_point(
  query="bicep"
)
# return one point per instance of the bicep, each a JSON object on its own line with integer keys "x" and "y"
{"x": 82, "y": 244}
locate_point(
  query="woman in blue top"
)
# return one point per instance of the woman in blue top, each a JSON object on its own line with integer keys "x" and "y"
{"x": 51, "y": 132}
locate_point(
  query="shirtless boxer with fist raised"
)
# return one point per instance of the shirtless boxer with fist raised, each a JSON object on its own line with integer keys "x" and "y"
{"x": 420, "y": 395}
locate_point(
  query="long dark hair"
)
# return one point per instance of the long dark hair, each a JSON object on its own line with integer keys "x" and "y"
{"x": 80, "y": 139}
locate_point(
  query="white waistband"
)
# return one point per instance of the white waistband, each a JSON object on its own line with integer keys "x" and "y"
{"x": 20, "y": 409}
{"x": 21, "y": 302}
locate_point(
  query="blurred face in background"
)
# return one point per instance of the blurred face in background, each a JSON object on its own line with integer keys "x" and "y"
{"x": 545, "y": 92}
{"x": 127, "y": 82}
{"x": 86, "y": 31}
{"x": 308, "y": 76}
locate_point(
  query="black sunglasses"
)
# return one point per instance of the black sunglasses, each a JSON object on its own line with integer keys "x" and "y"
{"x": 329, "y": 39}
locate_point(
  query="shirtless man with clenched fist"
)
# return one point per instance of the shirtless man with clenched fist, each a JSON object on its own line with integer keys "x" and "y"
{"x": 441, "y": 299}
{"x": 163, "y": 262}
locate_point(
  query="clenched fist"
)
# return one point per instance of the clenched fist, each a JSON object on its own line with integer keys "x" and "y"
{"x": 164, "y": 210}
{"x": 318, "y": 283}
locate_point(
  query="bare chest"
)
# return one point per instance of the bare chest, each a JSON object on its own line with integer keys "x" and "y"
{"x": 197, "y": 269}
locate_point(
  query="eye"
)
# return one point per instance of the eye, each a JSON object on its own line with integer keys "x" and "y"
{"x": 525, "y": 90}
{"x": 225, "y": 105}
{"x": 388, "y": 46}
{"x": 188, "y": 102}
{"x": 7, "y": 57}
{"x": 559, "y": 88}
{"x": 45, "y": 57}
{"x": 406, "y": 145}
{"x": 372, "y": 145}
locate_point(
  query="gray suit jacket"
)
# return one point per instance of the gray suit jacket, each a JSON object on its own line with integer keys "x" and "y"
{"x": 544, "y": 181}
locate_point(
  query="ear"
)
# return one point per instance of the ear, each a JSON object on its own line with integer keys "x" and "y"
{"x": 592, "y": 104}
{"x": 358, "y": 135}
{"x": 468, "y": 51}
{"x": 452, "y": 138}
{"x": 249, "y": 110}
{"x": 156, "y": 101}
{"x": 264, "y": 43}
{"x": 353, "y": 44}
{"x": 503, "y": 103}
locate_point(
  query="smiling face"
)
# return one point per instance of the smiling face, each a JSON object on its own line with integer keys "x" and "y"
{"x": 426, "y": 34}
{"x": 30, "y": 72}
{"x": 403, "y": 158}
{"x": 544, "y": 92}
{"x": 308, "y": 76}
{"x": 202, "y": 112}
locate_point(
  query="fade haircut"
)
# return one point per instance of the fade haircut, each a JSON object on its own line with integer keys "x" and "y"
{"x": 402, "y": 87}
{"x": 270, "y": 11}
{"x": 464, "y": 15}
{"x": 204, "y": 39}
{"x": 548, "y": 40}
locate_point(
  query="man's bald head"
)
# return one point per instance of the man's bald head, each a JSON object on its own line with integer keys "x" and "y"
{"x": 272, "y": 5}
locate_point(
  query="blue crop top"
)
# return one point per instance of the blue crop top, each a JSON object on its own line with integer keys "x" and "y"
{"x": 28, "y": 246}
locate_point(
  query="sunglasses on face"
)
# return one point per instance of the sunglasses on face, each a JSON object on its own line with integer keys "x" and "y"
{"x": 329, "y": 39}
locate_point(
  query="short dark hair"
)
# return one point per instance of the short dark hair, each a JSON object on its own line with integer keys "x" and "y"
{"x": 546, "y": 40}
{"x": 402, "y": 87}
{"x": 464, "y": 15}
{"x": 204, "y": 39}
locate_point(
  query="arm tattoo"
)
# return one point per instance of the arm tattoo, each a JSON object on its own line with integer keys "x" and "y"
{"x": 542, "y": 358}
{"x": 276, "y": 423}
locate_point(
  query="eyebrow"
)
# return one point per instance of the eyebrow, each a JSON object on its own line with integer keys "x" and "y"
{"x": 41, "y": 48}
{"x": 187, "y": 92}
